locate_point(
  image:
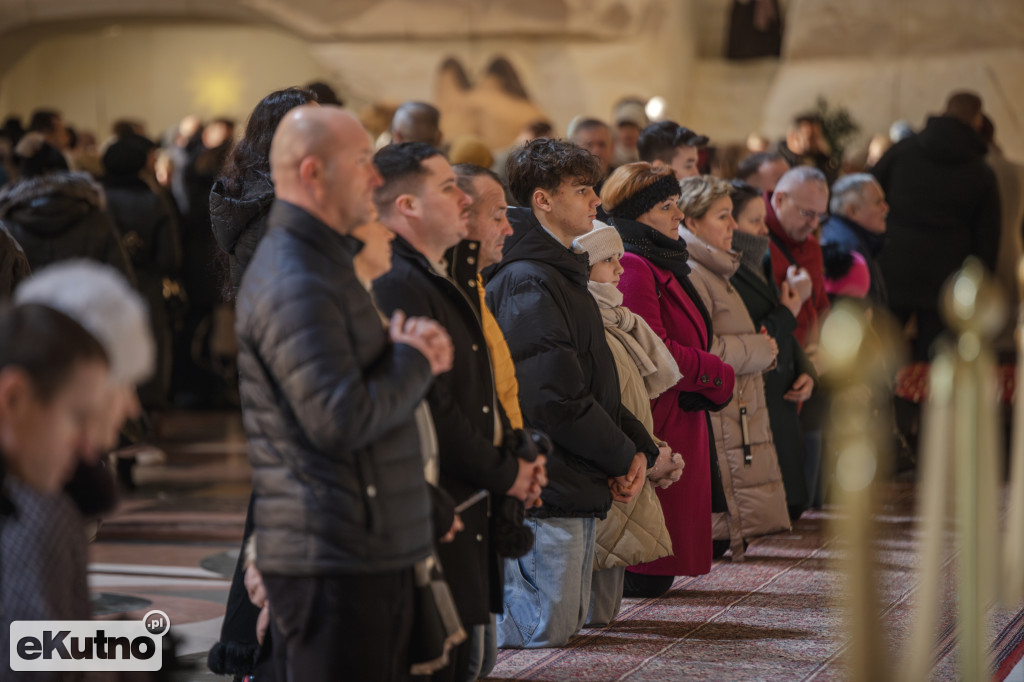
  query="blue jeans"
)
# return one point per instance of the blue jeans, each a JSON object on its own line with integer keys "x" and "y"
{"x": 547, "y": 591}
{"x": 484, "y": 651}
{"x": 605, "y": 595}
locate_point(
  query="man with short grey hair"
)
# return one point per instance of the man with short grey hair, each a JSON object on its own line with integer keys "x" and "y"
{"x": 857, "y": 223}
{"x": 796, "y": 210}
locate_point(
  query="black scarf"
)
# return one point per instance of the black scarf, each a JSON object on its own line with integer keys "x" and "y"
{"x": 668, "y": 254}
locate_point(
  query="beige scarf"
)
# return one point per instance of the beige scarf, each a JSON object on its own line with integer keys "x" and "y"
{"x": 648, "y": 352}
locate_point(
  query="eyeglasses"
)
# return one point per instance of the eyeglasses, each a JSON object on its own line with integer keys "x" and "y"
{"x": 809, "y": 214}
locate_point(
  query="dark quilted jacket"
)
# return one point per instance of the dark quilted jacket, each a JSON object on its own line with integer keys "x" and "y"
{"x": 60, "y": 216}
{"x": 239, "y": 222}
{"x": 327, "y": 404}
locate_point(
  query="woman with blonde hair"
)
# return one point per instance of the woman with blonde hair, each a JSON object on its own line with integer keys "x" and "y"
{"x": 655, "y": 284}
{"x": 747, "y": 459}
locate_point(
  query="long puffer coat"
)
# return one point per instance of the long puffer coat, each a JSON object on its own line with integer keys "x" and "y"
{"x": 746, "y": 456}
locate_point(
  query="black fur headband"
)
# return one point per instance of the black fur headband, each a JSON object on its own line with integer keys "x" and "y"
{"x": 643, "y": 201}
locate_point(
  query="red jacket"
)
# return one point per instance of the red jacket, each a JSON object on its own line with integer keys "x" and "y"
{"x": 806, "y": 254}
{"x": 655, "y": 295}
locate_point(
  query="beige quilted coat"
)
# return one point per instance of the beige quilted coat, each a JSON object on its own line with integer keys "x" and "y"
{"x": 753, "y": 486}
{"x": 632, "y": 533}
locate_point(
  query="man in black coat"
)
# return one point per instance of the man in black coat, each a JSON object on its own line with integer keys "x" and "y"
{"x": 944, "y": 207}
{"x": 567, "y": 388}
{"x": 342, "y": 512}
{"x": 857, "y": 223}
{"x": 434, "y": 274}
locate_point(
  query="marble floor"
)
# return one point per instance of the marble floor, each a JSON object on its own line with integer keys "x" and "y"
{"x": 173, "y": 541}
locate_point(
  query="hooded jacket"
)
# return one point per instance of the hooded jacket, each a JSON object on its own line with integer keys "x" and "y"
{"x": 943, "y": 206}
{"x": 328, "y": 409}
{"x": 61, "y": 216}
{"x": 239, "y": 223}
{"x": 567, "y": 382}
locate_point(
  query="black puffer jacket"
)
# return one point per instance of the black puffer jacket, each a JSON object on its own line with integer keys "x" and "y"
{"x": 943, "y": 206}
{"x": 327, "y": 404}
{"x": 567, "y": 382}
{"x": 60, "y": 216}
{"x": 239, "y": 222}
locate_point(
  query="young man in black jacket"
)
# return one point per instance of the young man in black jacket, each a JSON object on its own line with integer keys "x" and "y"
{"x": 434, "y": 274}
{"x": 341, "y": 512}
{"x": 567, "y": 388}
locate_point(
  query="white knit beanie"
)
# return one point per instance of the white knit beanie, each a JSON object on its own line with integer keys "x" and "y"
{"x": 600, "y": 243}
{"x": 100, "y": 299}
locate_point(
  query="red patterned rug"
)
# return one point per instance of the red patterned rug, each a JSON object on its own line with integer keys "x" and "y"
{"x": 769, "y": 618}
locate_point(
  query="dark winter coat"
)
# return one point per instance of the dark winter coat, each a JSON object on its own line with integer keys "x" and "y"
{"x": 239, "y": 222}
{"x": 568, "y": 387}
{"x": 327, "y": 405}
{"x": 943, "y": 206}
{"x": 61, "y": 216}
{"x": 850, "y": 236}
{"x": 149, "y": 232}
{"x": 761, "y": 298}
{"x": 463, "y": 404}
{"x": 14, "y": 265}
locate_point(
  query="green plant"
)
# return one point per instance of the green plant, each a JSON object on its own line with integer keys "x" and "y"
{"x": 837, "y": 126}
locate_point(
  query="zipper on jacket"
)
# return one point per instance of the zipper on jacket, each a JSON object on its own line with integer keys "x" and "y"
{"x": 748, "y": 453}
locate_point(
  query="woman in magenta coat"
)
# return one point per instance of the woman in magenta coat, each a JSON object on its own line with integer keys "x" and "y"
{"x": 641, "y": 201}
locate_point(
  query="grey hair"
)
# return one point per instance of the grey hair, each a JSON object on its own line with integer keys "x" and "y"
{"x": 849, "y": 190}
{"x": 798, "y": 176}
{"x": 100, "y": 299}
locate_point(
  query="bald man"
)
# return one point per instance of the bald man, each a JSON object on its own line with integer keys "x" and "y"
{"x": 342, "y": 513}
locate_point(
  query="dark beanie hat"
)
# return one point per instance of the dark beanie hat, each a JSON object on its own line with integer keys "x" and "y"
{"x": 127, "y": 156}
{"x": 643, "y": 201}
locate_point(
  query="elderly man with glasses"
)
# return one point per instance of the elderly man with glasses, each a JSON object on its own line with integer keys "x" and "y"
{"x": 796, "y": 211}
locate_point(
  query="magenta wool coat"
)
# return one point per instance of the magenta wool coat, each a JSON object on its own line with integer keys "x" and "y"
{"x": 657, "y": 296}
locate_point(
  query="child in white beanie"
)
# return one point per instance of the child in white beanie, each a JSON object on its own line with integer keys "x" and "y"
{"x": 101, "y": 300}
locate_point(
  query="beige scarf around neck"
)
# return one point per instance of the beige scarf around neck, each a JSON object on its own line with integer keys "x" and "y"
{"x": 652, "y": 358}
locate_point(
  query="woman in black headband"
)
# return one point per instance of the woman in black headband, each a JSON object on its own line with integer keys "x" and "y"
{"x": 641, "y": 201}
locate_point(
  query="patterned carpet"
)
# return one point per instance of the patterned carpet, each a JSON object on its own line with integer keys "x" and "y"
{"x": 772, "y": 617}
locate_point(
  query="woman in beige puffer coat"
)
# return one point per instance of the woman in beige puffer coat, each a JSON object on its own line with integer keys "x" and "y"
{"x": 746, "y": 454}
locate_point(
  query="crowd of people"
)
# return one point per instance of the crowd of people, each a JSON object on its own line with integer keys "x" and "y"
{"x": 482, "y": 406}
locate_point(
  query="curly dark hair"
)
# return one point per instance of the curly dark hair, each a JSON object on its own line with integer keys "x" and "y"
{"x": 252, "y": 153}
{"x": 544, "y": 163}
